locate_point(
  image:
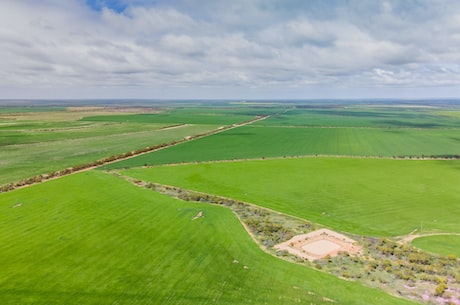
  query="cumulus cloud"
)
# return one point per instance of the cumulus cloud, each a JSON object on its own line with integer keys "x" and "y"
{"x": 182, "y": 47}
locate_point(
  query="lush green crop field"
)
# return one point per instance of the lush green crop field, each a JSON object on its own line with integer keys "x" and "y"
{"x": 44, "y": 139}
{"x": 359, "y": 116}
{"x": 257, "y": 142}
{"x": 364, "y": 196}
{"x": 26, "y": 132}
{"x": 440, "y": 244}
{"x": 20, "y": 161}
{"x": 93, "y": 238}
{"x": 184, "y": 116}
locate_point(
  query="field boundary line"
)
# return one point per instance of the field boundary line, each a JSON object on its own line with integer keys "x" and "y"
{"x": 402, "y": 158}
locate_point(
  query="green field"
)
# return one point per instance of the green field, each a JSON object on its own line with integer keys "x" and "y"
{"x": 258, "y": 142}
{"x": 92, "y": 238}
{"x": 39, "y": 142}
{"x": 19, "y": 161}
{"x": 214, "y": 116}
{"x": 363, "y": 196}
{"x": 370, "y": 116}
{"x": 96, "y": 238}
{"x": 440, "y": 244}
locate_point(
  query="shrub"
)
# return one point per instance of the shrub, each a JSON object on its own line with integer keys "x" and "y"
{"x": 439, "y": 290}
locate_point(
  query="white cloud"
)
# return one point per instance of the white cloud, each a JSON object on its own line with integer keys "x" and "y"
{"x": 240, "y": 45}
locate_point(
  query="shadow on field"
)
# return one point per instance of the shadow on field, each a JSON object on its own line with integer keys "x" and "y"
{"x": 238, "y": 134}
{"x": 408, "y": 124}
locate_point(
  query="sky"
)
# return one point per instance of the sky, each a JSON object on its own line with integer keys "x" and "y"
{"x": 238, "y": 49}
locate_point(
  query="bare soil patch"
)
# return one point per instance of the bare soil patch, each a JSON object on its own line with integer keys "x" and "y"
{"x": 318, "y": 244}
{"x": 199, "y": 215}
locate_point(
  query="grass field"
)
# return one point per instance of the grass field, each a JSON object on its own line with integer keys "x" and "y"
{"x": 92, "y": 238}
{"x": 440, "y": 244}
{"x": 19, "y": 161}
{"x": 370, "y": 116}
{"x": 215, "y": 116}
{"x": 40, "y": 141}
{"x": 257, "y": 142}
{"x": 363, "y": 196}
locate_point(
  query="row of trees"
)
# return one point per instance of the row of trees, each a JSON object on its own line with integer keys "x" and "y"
{"x": 442, "y": 157}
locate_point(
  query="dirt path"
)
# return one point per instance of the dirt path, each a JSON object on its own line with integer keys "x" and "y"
{"x": 405, "y": 239}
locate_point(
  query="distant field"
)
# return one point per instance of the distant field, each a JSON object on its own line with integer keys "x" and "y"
{"x": 363, "y": 196}
{"x": 92, "y": 238}
{"x": 40, "y": 141}
{"x": 440, "y": 244}
{"x": 257, "y": 142}
{"x": 360, "y": 116}
{"x": 185, "y": 116}
{"x": 20, "y": 161}
{"x": 25, "y": 109}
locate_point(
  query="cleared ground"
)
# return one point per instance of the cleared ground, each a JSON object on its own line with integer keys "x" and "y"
{"x": 319, "y": 244}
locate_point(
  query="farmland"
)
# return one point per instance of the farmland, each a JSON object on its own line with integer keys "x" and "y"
{"x": 441, "y": 244}
{"x": 377, "y": 197}
{"x": 367, "y": 116}
{"x": 259, "y": 142}
{"x": 63, "y": 138}
{"x": 354, "y": 131}
{"x": 92, "y": 238}
{"x": 119, "y": 234}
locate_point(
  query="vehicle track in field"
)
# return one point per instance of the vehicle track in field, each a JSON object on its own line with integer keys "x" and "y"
{"x": 406, "y": 239}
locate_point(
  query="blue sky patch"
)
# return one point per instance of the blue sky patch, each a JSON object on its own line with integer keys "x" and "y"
{"x": 115, "y": 5}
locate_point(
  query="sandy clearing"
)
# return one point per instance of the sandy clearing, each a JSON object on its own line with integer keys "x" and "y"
{"x": 321, "y": 247}
{"x": 318, "y": 244}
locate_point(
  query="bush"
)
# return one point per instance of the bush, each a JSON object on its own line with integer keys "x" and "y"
{"x": 439, "y": 290}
